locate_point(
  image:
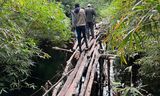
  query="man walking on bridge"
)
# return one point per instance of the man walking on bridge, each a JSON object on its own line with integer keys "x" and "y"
{"x": 90, "y": 20}
{"x": 80, "y": 24}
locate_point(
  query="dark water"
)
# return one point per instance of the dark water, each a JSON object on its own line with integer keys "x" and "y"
{"x": 44, "y": 69}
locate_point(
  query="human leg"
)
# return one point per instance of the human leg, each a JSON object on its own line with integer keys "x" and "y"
{"x": 78, "y": 30}
{"x": 92, "y": 29}
{"x": 87, "y": 30}
{"x": 84, "y": 35}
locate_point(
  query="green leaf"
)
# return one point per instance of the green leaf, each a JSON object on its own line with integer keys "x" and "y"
{"x": 158, "y": 8}
{"x": 137, "y": 91}
{"x": 126, "y": 39}
{"x": 126, "y": 91}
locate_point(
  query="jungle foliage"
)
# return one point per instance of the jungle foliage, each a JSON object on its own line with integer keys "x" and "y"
{"x": 22, "y": 24}
{"x": 134, "y": 26}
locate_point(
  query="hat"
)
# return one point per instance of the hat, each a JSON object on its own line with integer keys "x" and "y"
{"x": 89, "y": 5}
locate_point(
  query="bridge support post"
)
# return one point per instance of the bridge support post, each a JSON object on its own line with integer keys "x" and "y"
{"x": 101, "y": 78}
{"x": 109, "y": 84}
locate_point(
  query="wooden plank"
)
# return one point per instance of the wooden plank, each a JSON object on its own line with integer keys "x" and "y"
{"x": 89, "y": 86}
{"x": 56, "y": 89}
{"x": 93, "y": 47}
{"x": 91, "y": 43}
{"x": 87, "y": 76}
{"x": 75, "y": 45}
{"x": 71, "y": 77}
{"x": 75, "y": 82}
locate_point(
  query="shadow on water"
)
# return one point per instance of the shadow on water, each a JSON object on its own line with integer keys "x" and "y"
{"x": 44, "y": 69}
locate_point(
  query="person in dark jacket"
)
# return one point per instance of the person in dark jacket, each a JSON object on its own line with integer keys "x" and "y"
{"x": 90, "y": 20}
{"x": 79, "y": 21}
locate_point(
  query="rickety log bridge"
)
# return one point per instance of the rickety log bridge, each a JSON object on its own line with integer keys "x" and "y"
{"x": 88, "y": 75}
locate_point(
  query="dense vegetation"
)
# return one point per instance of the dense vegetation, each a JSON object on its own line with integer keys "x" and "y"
{"x": 23, "y": 24}
{"x": 132, "y": 27}
{"x": 135, "y": 29}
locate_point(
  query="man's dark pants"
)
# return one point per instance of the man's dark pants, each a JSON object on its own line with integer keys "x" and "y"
{"x": 81, "y": 30}
{"x": 90, "y": 29}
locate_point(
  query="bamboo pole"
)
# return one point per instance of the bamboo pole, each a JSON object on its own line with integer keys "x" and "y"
{"x": 62, "y": 49}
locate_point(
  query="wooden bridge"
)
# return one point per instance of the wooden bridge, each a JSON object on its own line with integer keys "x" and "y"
{"x": 86, "y": 73}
